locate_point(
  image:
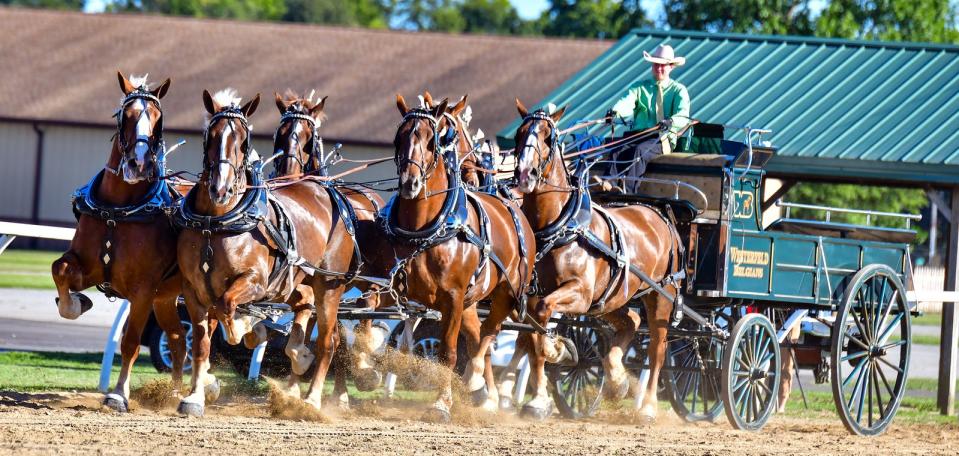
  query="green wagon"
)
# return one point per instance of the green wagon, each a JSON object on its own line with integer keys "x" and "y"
{"x": 758, "y": 274}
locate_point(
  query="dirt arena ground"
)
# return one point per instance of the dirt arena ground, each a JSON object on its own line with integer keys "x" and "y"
{"x": 66, "y": 423}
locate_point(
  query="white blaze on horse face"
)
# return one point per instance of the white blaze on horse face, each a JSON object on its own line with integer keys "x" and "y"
{"x": 144, "y": 132}
{"x": 223, "y": 167}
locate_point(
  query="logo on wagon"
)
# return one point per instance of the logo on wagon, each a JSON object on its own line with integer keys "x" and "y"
{"x": 744, "y": 259}
{"x": 744, "y": 205}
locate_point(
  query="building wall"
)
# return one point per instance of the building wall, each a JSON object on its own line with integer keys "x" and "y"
{"x": 72, "y": 155}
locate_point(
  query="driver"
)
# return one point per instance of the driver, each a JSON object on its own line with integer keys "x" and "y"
{"x": 656, "y": 101}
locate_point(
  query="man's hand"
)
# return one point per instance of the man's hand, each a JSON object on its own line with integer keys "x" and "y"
{"x": 665, "y": 124}
{"x": 610, "y": 116}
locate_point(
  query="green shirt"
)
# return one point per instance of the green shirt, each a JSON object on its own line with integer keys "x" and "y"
{"x": 640, "y": 104}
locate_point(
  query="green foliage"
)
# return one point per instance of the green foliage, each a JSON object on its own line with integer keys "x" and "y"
{"x": 741, "y": 16}
{"x": 890, "y": 20}
{"x": 225, "y": 9}
{"x": 593, "y": 19}
{"x": 851, "y": 196}
{"x": 470, "y": 16}
{"x": 47, "y": 4}
{"x": 364, "y": 13}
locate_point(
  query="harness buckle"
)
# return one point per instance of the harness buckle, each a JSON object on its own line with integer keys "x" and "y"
{"x": 111, "y": 223}
{"x": 206, "y": 233}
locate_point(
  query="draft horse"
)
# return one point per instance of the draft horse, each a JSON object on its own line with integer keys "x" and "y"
{"x": 124, "y": 243}
{"x": 455, "y": 248}
{"x": 243, "y": 244}
{"x": 297, "y": 147}
{"x": 592, "y": 260}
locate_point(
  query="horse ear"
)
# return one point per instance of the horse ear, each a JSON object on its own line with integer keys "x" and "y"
{"x": 280, "y": 104}
{"x": 160, "y": 92}
{"x": 317, "y": 109}
{"x": 250, "y": 107}
{"x": 523, "y": 112}
{"x": 208, "y": 103}
{"x": 460, "y": 106}
{"x": 439, "y": 109}
{"x": 125, "y": 84}
{"x": 401, "y": 105}
{"x": 428, "y": 98}
{"x": 558, "y": 114}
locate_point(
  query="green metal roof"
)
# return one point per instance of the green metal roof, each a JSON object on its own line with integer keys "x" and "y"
{"x": 839, "y": 109}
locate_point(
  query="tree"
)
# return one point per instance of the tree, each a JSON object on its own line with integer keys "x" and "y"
{"x": 593, "y": 19}
{"x": 47, "y": 4}
{"x": 232, "y": 9}
{"x": 775, "y": 17}
{"x": 890, "y": 20}
{"x": 470, "y": 16}
{"x": 363, "y": 13}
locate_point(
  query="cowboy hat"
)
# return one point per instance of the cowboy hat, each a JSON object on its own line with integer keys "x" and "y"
{"x": 664, "y": 55}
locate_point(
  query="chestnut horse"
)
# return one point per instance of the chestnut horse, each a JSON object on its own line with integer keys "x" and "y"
{"x": 297, "y": 146}
{"x": 455, "y": 248}
{"x": 124, "y": 243}
{"x": 575, "y": 276}
{"x": 243, "y": 244}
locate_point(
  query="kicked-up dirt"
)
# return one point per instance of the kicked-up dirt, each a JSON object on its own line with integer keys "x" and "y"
{"x": 74, "y": 423}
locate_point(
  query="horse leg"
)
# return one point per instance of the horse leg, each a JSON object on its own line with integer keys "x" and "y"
{"x": 540, "y": 406}
{"x": 246, "y": 288}
{"x": 625, "y": 323}
{"x": 296, "y": 349}
{"x": 368, "y": 338}
{"x": 327, "y": 336}
{"x": 452, "y": 310}
{"x": 507, "y": 384}
{"x": 165, "y": 311}
{"x": 341, "y": 365}
{"x": 478, "y": 376}
{"x": 140, "y": 308}
{"x": 659, "y": 311}
{"x": 573, "y": 297}
{"x": 203, "y": 325}
{"x": 786, "y": 379}
{"x": 68, "y": 275}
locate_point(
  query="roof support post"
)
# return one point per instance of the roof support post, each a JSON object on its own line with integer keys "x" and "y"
{"x": 950, "y": 320}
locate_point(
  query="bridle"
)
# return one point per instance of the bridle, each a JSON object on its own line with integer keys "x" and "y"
{"x": 154, "y": 142}
{"x": 314, "y": 153}
{"x": 536, "y": 116}
{"x": 441, "y": 141}
{"x": 229, "y": 113}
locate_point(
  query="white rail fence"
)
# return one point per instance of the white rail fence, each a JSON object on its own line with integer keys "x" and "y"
{"x": 929, "y": 283}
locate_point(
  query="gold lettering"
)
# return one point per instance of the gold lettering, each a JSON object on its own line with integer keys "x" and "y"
{"x": 752, "y": 272}
{"x": 740, "y": 256}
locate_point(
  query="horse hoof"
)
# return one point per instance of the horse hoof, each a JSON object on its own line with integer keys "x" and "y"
{"x": 116, "y": 402}
{"x": 536, "y": 413}
{"x": 479, "y": 396}
{"x": 439, "y": 416}
{"x": 300, "y": 359}
{"x": 79, "y": 305}
{"x": 367, "y": 379}
{"x": 615, "y": 392}
{"x": 212, "y": 391}
{"x": 190, "y": 409}
{"x": 506, "y": 403}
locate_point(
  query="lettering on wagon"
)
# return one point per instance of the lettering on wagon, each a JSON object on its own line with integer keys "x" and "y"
{"x": 742, "y": 259}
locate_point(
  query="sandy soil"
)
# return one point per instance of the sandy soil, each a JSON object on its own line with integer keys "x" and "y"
{"x": 72, "y": 423}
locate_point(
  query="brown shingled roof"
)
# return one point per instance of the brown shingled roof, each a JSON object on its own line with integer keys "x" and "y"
{"x": 60, "y": 66}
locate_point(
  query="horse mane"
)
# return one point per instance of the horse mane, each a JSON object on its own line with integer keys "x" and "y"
{"x": 303, "y": 104}
{"x": 226, "y": 97}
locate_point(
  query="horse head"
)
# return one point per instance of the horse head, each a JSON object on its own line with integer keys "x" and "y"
{"x": 139, "y": 137}
{"x": 418, "y": 144}
{"x": 296, "y": 142}
{"x": 227, "y": 144}
{"x": 537, "y": 144}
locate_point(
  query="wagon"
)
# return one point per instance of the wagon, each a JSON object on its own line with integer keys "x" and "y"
{"x": 757, "y": 269}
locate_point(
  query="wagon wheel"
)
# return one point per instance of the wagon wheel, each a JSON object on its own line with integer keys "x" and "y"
{"x": 871, "y": 341}
{"x": 577, "y": 390}
{"x": 751, "y": 370}
{"x": 695, "y": 397}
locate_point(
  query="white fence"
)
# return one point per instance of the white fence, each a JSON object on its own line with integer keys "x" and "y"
{"x": 929, "y": 284}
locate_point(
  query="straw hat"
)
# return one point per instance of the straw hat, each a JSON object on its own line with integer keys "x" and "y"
{"x": 663, "y": 54}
